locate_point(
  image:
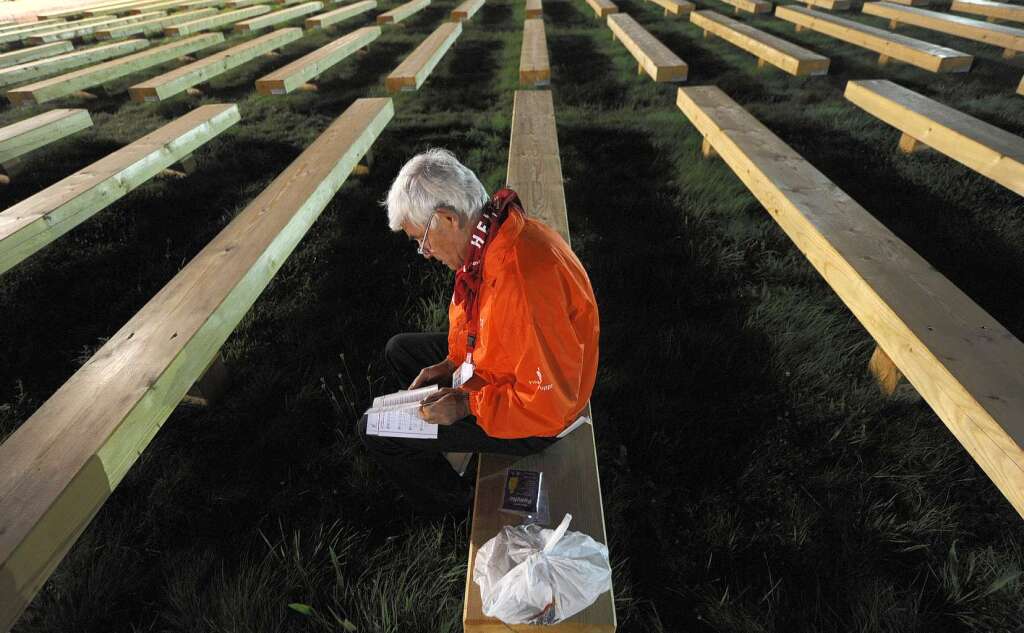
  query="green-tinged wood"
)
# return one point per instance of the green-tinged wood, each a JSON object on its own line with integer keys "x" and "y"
{"x": 81, "y": 32}
{"x": 180, "y": 79}
{"x": 289, "y": 77}
{"x": 218, "y": 21}
{"x": 22, "y": 137}
{"x": 69, "y": 83}
{"x": 415, "y": 68}
{"x": 466, "y": 10}
{"x": 69, "y": 61}
{"x": 17, "y": 26}
{"x": 60, "y": 465}
{"x": 277, "y": 17}
{"x": 330, "y": 18}
{"x": 237, "y": 4}
{"x": 34, "y": 53}
{"x": 153, "y": 27}
{"x": 402, "y": 11}
{"x": 18, "y": 35}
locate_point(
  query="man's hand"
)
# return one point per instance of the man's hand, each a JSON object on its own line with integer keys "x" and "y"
{"x": 445, "y": 406}
{"x": 435, "y": 375}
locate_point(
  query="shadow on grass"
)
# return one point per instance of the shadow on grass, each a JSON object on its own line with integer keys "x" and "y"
{"x": 587, "y": 77}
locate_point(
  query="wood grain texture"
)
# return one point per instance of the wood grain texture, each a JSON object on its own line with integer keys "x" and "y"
{"x": 675, "y": 7}
{"x": 534, "y": 9}
{"x": 570, "y": 465}
{"x": 966, "y": 366}
{"x": 86, "y": 31}
{"x": 776, "y": 51}
{"x": 21, "y": 34}
{"x": 889, "y": 45}
{"x": 184, "y": 77}
{"x": 402, "y": 11}
{"x": 415, "y": 68}
{"x": 656, "y": 59}
{"x": 66, "y": 84}
{"x": 291, "y": 76}
{"x": 24, "y": 136}
{"x": 603, "y": 8}
{"x": 330, "y": 18}
{"x": 34, "y": 53}
{"x": 277, "y": 17}
{"x": 989, "y": 9}
{"x": 153, "y": 27}
{"x": 218, "y": 21}
{"x": 988, "y": 150}
{"x": 534, "y": 66}
{"x": 750, "y": 6}
{"x": 1006, "y": 37}
{"x": 828, "y": 5}
{"x": 58, "y": 468}
{"x": 466, "y": 10}
{"x": 68, "y": 61}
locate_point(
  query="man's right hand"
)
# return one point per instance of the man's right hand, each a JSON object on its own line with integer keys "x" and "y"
{"x": 439, "y": 374}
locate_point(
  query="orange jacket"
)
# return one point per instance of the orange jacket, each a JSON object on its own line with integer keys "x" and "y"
{"x": 535, "y": 360}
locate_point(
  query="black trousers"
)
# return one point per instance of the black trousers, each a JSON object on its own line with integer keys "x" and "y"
{"x": 417, "y": 466}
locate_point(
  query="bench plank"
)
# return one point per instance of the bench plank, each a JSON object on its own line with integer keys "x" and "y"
{"x": 69, "y": 61}
{"x": 829, "y": 5}
{"x": 17, "y": 26}
{"x": 35, "y": 53}
{"x": 776, "y": 51}
{"x": 991, "y": 10}
{"x": 603, "y": 8}
{"x": 277, "y": 17}
{"x": 402, "y": 11}
{"x": 330, "y": 18}
{"x": 181, "y": 79}
{"x": 69, "y": 83}
{"x": 888, "y": 45}
{"x": 37, "y": 221}
{"x": 22, "y": 34}
{"x": 152, "y": 27}
{"x": 570, "y": 465}
{"x": 24, "y": 136}
{"x": 415, "y": 68}
{"x": 86, "y": 31}
{"x": 1006, "y": 37}
{"x": 988, "y": 150}
{"x": 60, "y": 466}
{"x": 966, "y": 366}
{"x": 653, "y": 57}
{"x": 534, "y": 9}
{"x": 179, "y": 6}
{"x": 750, "y": 6}
{"x": 675, "y": 7}
{"x": 289, "y": 77}
{"x": 466, "y": 10}
{"x": 534, "y": 66}
{"x": 218, "y": 21}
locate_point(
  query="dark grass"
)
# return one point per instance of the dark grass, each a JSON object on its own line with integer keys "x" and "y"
{"x": 754, "y": 479}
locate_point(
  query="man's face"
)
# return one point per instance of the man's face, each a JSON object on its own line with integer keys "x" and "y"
{"x": 445, "y": 240}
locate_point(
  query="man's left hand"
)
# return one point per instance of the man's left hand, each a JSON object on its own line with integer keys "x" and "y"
{"x": 445, "y": 406}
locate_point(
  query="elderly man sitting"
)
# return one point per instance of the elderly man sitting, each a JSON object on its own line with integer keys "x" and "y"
{"x": 519, "y": 361}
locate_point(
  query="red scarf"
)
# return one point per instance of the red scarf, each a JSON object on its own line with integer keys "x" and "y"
{"x": 469, "y": 278}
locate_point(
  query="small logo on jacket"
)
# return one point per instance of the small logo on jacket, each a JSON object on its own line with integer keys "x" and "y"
{"x": 539, "y": 382}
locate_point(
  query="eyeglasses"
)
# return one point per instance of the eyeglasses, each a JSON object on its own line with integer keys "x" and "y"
{"x": 423, "y": 247}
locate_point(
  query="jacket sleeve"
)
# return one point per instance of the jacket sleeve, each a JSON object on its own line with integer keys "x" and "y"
{"x": 534, "y": 325}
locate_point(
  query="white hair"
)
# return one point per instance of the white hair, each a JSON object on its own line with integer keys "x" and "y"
{"x": 430, "y": 180}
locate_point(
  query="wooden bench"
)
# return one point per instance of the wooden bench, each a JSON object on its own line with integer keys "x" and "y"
{"x": 22, "y": 137}
{"x": 86, "y": 31}
{"x": 992, "y": 11}
{"x": 652, "y": 57}
{"x": 924, "y": 122}
{"x": 152, "y": 27}
{"x": 183, "y": 6}
{"x": 888, "y": 45}
{"x": 60, "y": 465}
{"x": 962, "y": 362}
{"x": 750, "y": 6}
{"x": 17, "y": 26}
{"x": 331, "y": 18}
{"x": 828, "y": 5}
{"x": 57, "y": 14}
{"x": 218, "y": 21}
{"x": 675, "y": 7}
{"x": 603, "y": 8}
{"x": 415, "y": 68}
{"x": 1010, "y": 39}
{"x": 277, "y": 17}
{"x": 200, "y": 71}
{"x": 534, "y": 67}
{"x": 1020, "y": 87}
{"x": 285, "y": 3}
{"x": 570, "y": 465}
{"x": 116, "y": 8}
{"x": 69, "y": 83}
{"x": 69, "y": 61}
{"x": 768, "y": 49}
{"x": 289, "y": 77}
{"x": 466, "y": 10}
{"x": 22, "y": 34}
{"x": 237, "y": 4}
{"x": 38, "y": 220}
{"x": 402, "y": 11}
{"x": 534, "y": 9}
{"x": 34, "y": 53}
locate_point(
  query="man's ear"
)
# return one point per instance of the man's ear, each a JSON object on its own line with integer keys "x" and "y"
{"x": 453, "y": 218}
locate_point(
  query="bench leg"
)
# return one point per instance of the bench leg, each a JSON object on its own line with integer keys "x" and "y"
{"x": 893, "y": 24}
{"x": 708, "y": 35}
{"x": 885, "y": 371}
{"x": 8, "y": 167}
{"x": 639, "y": 68}
{"x": 992, "y": 20}
{"x": 706, "y": 150}
{"x": 798, "y": 28}
{"x": 1009, "y": 53}
{"x": 186, "y": 59}
{"x": 211, "y": 385}
{"x": 182, "y": 168}
{"x": 910, "y": 145}
{"x": 883, "y": 60}
{"x": 761, "y": 63}
{"x": 363, "y": 168}
{"x": 309, "y": 86}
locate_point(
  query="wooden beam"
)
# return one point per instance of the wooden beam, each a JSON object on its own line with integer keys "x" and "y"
{"x": 653, "y": 57}
{"x": 86, "y": 31}
{"x": 402, "y": 11}
{"x": 415, "y": 68}
{"x": 886, "y": 373}
{"x": 776, "y": 51}
{"x": 1006, "y": 37}
{"x": 534, "y": 9}
{"x": 152, "y": 27}
{"x": 277, "y": 17}
{"x": 534, "y": 66}
{"x": 24, "y": 136}
{"x": 69, "y": 61}
{"x": 828, "y": 5}
{"x": 988, "y": 150}
{"x": 990, "y": 10}
{"x": 19, "y": 35}
{"x": 61, "y": 464}
{"x": 963, "y": 363}
{"x": 466, "y": 10}
{"x": 17, "y": 26}
{"x": 924, "y": 55}
{"x": 38, "y": 220}
{"x": 750, "y": 6}
{"x": 331, "y": 18}
{"x": 34, "y": 53}
{"x": 678, "y": 8}
{"x": 293, "y": 75}
{"x": 218, "y": 21}
{"x": 180, "y": 79}
{"x": 603, "y": 8}
{"x": 69, "y": 83}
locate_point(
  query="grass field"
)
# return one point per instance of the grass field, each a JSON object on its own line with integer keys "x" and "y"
{"x": 754, "y": 478}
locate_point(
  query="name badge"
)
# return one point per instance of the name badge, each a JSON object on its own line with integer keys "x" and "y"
{"x": 464, "y": 373}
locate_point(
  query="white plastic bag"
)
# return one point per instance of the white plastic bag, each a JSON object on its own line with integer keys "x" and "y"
{"x": 531, "y": 575}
